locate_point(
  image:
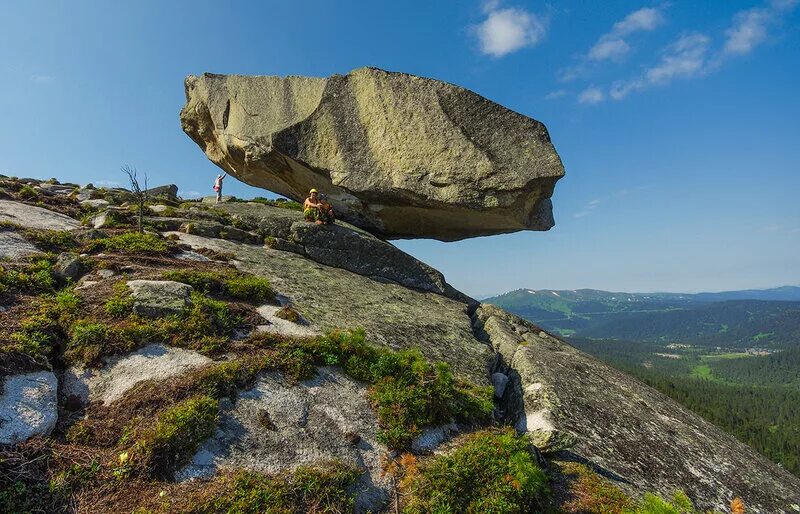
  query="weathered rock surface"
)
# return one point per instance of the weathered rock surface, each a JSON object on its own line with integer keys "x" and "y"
{"x": 398, "y": 155}
{"x": 642, "y": 439}
{"x": 393, "y": 315}
{"x": 278, "y": 426}
{"x": 28, "y": 406}
{"x": 68, "y": 266}
{"x": 120, "y": 374}
{"x": 281, "y": 326}
{"x": 342, "y": 246}
{"x": 31, "y": 216}
{"x": 169, "y": 191}
{"x": 154, "y": 298}
{"x": 13, "y": 246}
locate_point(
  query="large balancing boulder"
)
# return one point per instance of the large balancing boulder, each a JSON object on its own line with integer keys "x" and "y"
{"x": 398, "y": 155}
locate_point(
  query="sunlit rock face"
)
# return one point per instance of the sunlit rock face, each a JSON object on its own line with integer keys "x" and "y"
{"x": 398, "y": 155}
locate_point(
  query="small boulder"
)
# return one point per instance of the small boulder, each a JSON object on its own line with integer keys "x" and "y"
{"x": 96, "y": 203}
{"x": 28, "y": 406}
{"x": 68, "y": 266}
{"x": 169, "y": 191}
{"x": 13, "y": 246}
{"x": 499, "y": 381}
{"x": 155, "y": 298}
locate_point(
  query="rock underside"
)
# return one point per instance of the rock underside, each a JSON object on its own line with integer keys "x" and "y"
{"x": 398, "y": 155}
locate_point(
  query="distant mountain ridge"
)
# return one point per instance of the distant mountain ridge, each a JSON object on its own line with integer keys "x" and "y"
{"x": 746, "y": 317}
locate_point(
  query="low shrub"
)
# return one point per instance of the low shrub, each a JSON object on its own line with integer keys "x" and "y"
{"x": 36, "y": 277}
{"x": 26, "y": 192}
{"x": 120, "y": 304}
{"x": 589, "y": 492}
{"x": 51, "y": 240}
{"x": 323, "y": 488}
{"x": 131, "y": 243}
{"x": 174, "y": 438}
{"x": 489, "y": 472}
{"x": 654, "y": 504}
{"x": 228, "y": 283}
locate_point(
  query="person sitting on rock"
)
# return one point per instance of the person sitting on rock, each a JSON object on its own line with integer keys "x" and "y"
{"x": 218, "y": 186}
{"x": 313, "y": 208}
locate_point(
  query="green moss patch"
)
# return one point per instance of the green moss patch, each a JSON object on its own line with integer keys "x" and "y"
{"x": 36, "y": 276}
{"x": 489, "y": 472}
{"x": 228, "y": 283}
{"x": 132, "y": 243}
{"x": 174, "y": 438}
{"x": 323, "y": 488}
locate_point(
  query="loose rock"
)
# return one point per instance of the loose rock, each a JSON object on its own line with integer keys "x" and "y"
{"x": 28, "y": 406}
{"x": 155, "y": 298}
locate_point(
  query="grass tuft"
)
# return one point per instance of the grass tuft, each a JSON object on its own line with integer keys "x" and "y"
{"x": 489, "y": 472}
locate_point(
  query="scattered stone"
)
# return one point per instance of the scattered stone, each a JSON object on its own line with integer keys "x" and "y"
{"x": 549, "y": 442}
{"x": 433, "y": 437}
{"x": 96, "y": 203}
{"x": 398, "y": 155}
{"x": 13, "y": 246}
{"x": 58, "y": 189}
{"x": 158, "y": 209}
{"x": 156, "y": 298}
{"x": 31, "y": 216}
{"x": 215, "y": 229}
{"x": 499, "y": 381}
{"x": 28, "y": 406}
{"x": 278, "y": 325}
{"x": 119, "y": 374}
{"x": 68, "y": 266}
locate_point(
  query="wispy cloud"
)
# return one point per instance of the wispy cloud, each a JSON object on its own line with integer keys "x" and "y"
{"x": 107, "y": 183}
{"x": 690, "y": 55}
{"x": 591, "y": 95}
{"x": 587, "y": 210}
{"x": 192, "y": 194}
{"x": 509, "y": 29}
{"x": 686, "y": 57}
{"x": 553, "y": 95}
{"x": 613, "y": 45}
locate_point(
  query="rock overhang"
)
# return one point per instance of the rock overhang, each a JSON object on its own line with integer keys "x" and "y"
{"x": 398, "y": 155}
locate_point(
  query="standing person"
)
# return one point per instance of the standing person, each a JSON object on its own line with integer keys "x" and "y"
{"x": 218, "y": 186}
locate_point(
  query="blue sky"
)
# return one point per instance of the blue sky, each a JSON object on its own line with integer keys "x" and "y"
{"x": 678, "y": 122}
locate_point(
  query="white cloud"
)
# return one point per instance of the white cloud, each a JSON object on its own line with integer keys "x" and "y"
{"x": 684, "y": 58}
{"x": 192, "y": 194}
{"x": 645, "y": 19}
{"x": 748, "y": 31}
{"x": 612, "y": 45}
{"x": 553, "y": 95}
{"x": 613, "y": 48}
{"x": 107, "y": 183}
{"x": 508, "y": 30}
{"x": 580, "y": 214}
{"x": 591, "y": 95}
{"x": 594, "y": 203}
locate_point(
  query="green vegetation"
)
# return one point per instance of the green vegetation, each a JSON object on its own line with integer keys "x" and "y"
{"x": 120, "y": 304}
{"x": 324, "y": 488}
{"x": 51, "y": 240}
{"x": 589, "y": 492}
{"x": 41, "y": 330}
{"x": 652, "y": 504}
{"x": 35, "y": 277}
{"x": 205, "y": 326}
{"x": 489, "y": 472}
{"x": 131, "y": 243}
{"x": 26, "y": 192}
{"x": 755, "y": 398}
{"x": 228, "y": 283}
{"x": 175, "y": 436}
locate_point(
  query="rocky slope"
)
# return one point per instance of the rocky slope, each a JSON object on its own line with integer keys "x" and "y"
{"x": 398, "y": 155}
{"x": 275, "y": 418}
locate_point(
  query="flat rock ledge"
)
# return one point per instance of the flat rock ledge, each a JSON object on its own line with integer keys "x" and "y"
{"x": 398, "y": 155}
{"x": 31, "y": 216}
{"x": 120, "y": 374}
{"x": 28, "y": 406}
{"x": 641, "y": 439}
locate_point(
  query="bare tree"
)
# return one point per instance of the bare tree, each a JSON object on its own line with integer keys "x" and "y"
{"x": 139, "y": 192}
